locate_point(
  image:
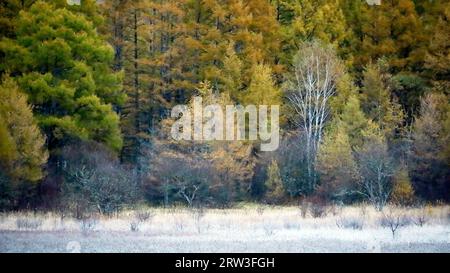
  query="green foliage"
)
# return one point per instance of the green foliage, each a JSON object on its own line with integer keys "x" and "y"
{"x": 353, "y": 121}
{"x": 61, "y": 62}
{"x": 377, "y": 100}
{"x": 409, "y": 88}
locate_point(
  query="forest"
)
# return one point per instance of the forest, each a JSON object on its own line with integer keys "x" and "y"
{"x": 87, "y": 88}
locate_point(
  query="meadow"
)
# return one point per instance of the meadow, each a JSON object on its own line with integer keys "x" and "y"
{"x": 246, "y": 228}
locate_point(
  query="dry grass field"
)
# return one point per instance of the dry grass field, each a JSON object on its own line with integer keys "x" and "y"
{"x": 248, "y": 228}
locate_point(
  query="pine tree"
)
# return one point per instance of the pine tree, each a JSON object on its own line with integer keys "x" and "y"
{"x": 66, "y": 75}
{"x": 9, "y": 11}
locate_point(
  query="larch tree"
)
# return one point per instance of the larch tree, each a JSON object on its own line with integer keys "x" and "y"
{"x": 402, "y": 192}
{"x": 262, "y": 89}
{"x": 124, "y": 22}
{"x": 250, "y": 26}
{"x": 336, "y": 165}
{"x": 22, "y": 145}
{"x": 429, "y": 151}
{"x": 394, "y": 30}
{"x": 302, "y": 21}
{"x": 231, "y": 163}
{"x": 274, "y": 183}
{"x": 437, "y": 59}
{"x": 231, "y": 80}
{"x": 378, "y": 102}
{"x": 354, "y": 121}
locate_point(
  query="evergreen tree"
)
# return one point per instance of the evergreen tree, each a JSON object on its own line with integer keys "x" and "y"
{"x": 61, "y": 62}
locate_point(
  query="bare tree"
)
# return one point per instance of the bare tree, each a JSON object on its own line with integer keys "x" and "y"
{"x": 189, "y": 196}
{"x": 180, "y": 177}
{"x": 317, "y": 69}
{"x": 376, "y": 168}
{"x": 394, "y": 219}
{"x": 95, "y": 180}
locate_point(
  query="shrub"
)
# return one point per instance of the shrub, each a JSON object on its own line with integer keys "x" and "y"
{"x": 28, "y": 223}
{"x": 394, "y": 219}
{"x": 317, "y": 207}
{"x": 318, "y": 210}
{"x": 140, "y": 217}
{"x": 260, "y": 210}
{"x": 269, "y": 229}
{"x": 291, "y": 225}
{"x": 422, "y": 217}
{"x": 134, "y": 226}
{"x": 95, "y": 180}
{"x": 350, "y": 223}
{"x": 179, "y": 224}
{"x": 197, "y": 215}
{"x": 143, "y": 215}
{"x": 88, "y": 225}
{"x": 304, "y": 207}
